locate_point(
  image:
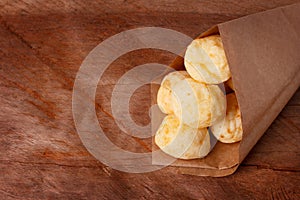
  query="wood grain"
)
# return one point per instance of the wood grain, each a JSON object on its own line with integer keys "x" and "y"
{"x": 42, "y": 45}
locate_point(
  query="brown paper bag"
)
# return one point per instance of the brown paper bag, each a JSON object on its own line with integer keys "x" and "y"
{"x": 263, "y": 52}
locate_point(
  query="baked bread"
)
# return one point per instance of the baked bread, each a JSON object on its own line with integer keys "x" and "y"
{"x": 196, "y": 104}
{"x": 205, "y": 60}
{"x": 229, "y": 130}
{"x": 181, "y": 141}
{"x": 166, "y": 100}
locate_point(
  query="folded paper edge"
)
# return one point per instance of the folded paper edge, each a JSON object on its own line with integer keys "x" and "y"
{"x": 208, "y": 172}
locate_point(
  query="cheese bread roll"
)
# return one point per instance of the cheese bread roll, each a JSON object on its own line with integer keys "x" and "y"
{"x": 230, "y": 129}
{"x": 198, "y": 105}
{"x": 181, "y": 141}
{"x": 205, "y": 60}
{"x": 166, "y": 100}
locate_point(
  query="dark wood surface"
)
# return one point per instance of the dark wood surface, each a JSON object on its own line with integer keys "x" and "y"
{"x": 42, "y": 45}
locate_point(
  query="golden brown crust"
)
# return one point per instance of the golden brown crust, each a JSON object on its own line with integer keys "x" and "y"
{"x": 205, "y": 60}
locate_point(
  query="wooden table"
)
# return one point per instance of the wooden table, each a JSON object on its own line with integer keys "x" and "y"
{"x": 42, "y": 45}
